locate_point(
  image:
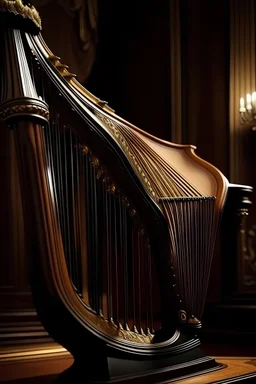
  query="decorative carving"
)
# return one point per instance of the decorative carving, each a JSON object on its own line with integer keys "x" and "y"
{"x": 248, "y": 255}
{"x": 63, "y": 71}
{"x": 62, "y": 68}
{"x": 246, "y": 252}
{"x": 194, "y": 321}
{"x": 17, "y": 7}
{"x": 135, "y": 336}
{"x": 24, "y": 106}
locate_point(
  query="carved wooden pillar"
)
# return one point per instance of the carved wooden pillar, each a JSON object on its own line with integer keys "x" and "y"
{"x": 242, "y": 144}
{"x": 237, "y": 260}
{"x": 238, "y": 272}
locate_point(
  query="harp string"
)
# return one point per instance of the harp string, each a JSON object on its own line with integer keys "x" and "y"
{"x": 167, "y": 181}
{"x": 106, "y": 277}
{"x": 178, "y": 185}
{"x": 116, "y": 279}
{"x": 139, "y": 256}
{"x": 191, "y": 252}
{"x": 150, "y": 327}
{"x": 179, "y": 243}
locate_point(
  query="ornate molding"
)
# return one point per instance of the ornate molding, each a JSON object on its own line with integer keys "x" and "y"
{"x": 17, "y": 7}
{"x": 24, "y": 106}
{"x": 247, "y": 255}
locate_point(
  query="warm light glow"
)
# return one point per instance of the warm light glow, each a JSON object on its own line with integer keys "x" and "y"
{"x": 248, "y": 110}
{"x": 248, "y": 98}
{"x": 248, "y": 102}
{"x": 254, "y": 99}
{"x": 242, "y": 105}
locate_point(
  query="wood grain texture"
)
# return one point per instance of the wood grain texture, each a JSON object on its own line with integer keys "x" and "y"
{"x": 233, "y": 367}
{"x": 23, "y": 362}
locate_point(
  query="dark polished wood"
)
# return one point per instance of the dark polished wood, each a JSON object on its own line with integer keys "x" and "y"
{"x": 237, "y": 300}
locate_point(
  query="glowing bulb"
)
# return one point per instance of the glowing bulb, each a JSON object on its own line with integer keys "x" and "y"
{"x": 254, "y": 99}
{"x": 242, "y": 105}
{"x": 248, "y": 102}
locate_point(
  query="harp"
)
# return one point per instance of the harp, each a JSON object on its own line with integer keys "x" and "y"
{"x": 121, "y": 225}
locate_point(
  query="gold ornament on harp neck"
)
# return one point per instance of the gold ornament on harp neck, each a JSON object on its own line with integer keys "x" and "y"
{"x": 111, "y": 187}
{"x": 123, "y": 143}
{"x": 17, "y": 7}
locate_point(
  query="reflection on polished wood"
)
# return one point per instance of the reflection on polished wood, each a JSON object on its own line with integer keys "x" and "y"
{"x": 234, "y": 367}
{"x": 32, "y": 361}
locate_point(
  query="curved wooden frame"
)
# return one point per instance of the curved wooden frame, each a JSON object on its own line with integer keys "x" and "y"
{"x": 102, "y": 106}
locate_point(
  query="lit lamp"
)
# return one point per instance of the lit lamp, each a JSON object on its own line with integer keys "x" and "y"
{"x": 248, "y": 110}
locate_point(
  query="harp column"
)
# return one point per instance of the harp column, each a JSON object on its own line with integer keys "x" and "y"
{"x": 21, "y": 333}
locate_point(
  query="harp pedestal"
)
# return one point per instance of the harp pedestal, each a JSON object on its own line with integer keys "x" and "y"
{"x": 121, "y": 370}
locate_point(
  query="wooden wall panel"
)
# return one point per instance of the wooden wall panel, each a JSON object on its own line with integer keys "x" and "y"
{"x": 205, "y": 78}
{"x": 242, "y": 81}
{"x": 14, "y": 285}
{"x": 242, "y": 138}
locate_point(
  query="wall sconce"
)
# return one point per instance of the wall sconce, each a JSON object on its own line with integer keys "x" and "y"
{"x": 248, "y": 110}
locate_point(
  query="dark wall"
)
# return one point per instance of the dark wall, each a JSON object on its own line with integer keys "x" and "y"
{"x": 132, "y": 69}
{"x": 205, "y": 69}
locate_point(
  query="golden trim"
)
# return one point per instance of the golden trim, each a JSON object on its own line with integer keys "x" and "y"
{"x": 17, "y": 7}
{"x": 194, "y": 321}
{"x": 63, "y": 71}
{"x": 24, "y": 109}
{"x": 121, "y": 140}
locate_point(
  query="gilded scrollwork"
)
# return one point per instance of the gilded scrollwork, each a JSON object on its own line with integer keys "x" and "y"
{"x": 249, "y": 256}
{"x": 17, "y": 7}
{"x": 118, "y": 331}
{"x": 134, "y": 336}
{"x": 246, "y": 248}
{"x": 21, "y": 109}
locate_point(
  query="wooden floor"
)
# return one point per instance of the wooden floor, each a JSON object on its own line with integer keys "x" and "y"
{"x": 42, "y": 366}
{"x": 233, "y": 367}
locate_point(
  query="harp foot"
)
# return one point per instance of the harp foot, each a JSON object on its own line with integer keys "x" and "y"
{"x": 144, "y": 370}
